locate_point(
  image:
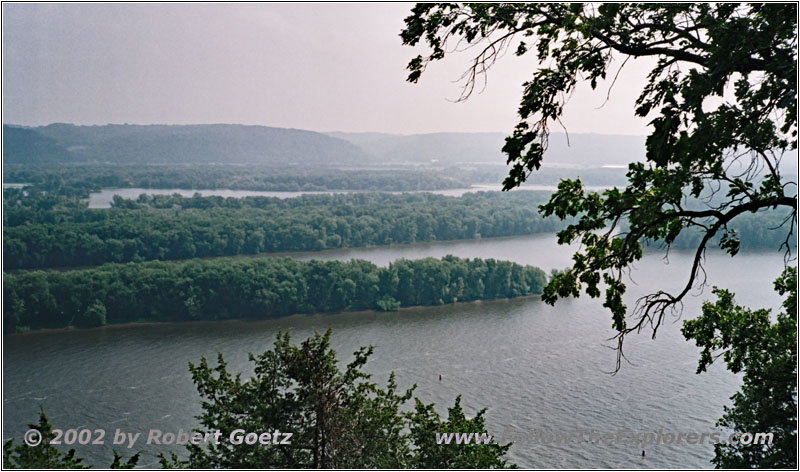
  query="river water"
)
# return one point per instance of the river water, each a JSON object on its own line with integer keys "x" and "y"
{"x": 536, "y": 368}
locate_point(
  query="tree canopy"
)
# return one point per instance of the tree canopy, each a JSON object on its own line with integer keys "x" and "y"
{"x": 338, "y": 418}
{"x": 764, "y": 349}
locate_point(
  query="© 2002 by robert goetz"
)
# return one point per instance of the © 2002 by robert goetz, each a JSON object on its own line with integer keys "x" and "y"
{"x": 33, "y": 437}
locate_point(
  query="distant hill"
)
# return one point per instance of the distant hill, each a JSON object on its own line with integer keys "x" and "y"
{"x": 583, "y": 150}
{"x": 26, "y": 146}
{"x": 242, "y": 144}
{"x": 176, "y": 144}
{"x": 364, "y": 140}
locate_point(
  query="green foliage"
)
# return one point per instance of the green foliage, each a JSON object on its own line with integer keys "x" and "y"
{"x": 425, "y": 423}
{"x": 722, "y": 100}
{"x": 53, "y": 228}
{"x": 94, "y": 316}
{"x": 45, "y": 231}
{"x": 234, "y": 177}
{"x": 388, "y": 303}
{"x": 251, "y": 289}
{"x": 726, "y": 43}
{"x": 765, "y": 351}
{"x": 129, "y": 464}
{"x": 338, "y": 419}
{"x": 82, "y": 179}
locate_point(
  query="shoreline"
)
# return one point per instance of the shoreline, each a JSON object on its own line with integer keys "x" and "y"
{"x": 131, "y": 324}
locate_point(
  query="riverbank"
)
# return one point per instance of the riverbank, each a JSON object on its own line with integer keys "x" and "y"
{"x": 198, "y": 324}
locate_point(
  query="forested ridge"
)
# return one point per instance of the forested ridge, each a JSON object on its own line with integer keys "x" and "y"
{"x": 251, "y": 289}
{"x": 717, "y": 169}
{"x": 171, "y": 144}
{"x": 258, "y": 145}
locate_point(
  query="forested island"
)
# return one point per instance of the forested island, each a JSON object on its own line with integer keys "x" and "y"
{"x": 239, "y": 177}
{"x": 47, "y": 229}
{"x": 83, "y": 178}
{"x": 54, "y": 231}
{"x": 251, "y": 289}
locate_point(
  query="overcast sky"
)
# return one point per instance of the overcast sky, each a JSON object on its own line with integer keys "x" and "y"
{"x": 323, "y": 67}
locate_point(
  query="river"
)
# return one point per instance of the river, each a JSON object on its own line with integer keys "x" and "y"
{"x": 535, "y": 367}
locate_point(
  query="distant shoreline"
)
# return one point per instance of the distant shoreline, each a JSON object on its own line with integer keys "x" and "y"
{"x": 132, "y": 324}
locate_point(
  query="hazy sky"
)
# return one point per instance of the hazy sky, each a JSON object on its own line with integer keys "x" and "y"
{"x": 324, "y": 67}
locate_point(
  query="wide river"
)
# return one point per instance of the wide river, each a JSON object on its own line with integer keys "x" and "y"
{"x": 536, "y": 368}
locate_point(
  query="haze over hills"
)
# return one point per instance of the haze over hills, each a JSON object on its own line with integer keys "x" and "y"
{"x": 175, "y": 144}
{"x": 580, "y": 150}
{"x": 60, "y": 143}
{"x": 245, "y": 144}
{"x": 22, "y": 145}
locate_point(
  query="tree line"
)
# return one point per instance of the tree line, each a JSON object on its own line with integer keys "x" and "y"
{"x": 236, "y": 177}
{"x": 251, "y": 289}
{"x": 43, "y": 231}
{"x": 287, "y": 178}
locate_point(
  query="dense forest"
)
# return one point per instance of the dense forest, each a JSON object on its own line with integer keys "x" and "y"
{"x": 44, "y": 230}
{"x": 233, "y": 177}
{"x": 93, "y": 177}
{"x": 53, "y": 231}
{"x": 251, "y": 289}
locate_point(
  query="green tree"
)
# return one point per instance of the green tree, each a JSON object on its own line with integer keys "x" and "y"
{"x": 722, "y": 100}
{"x": 95, "y": 315}
{"x": 388, "y": 303}
{"x": 425, "y": 423}
{"x": 765, "y": 351}
{"x": 338, "y": 419}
